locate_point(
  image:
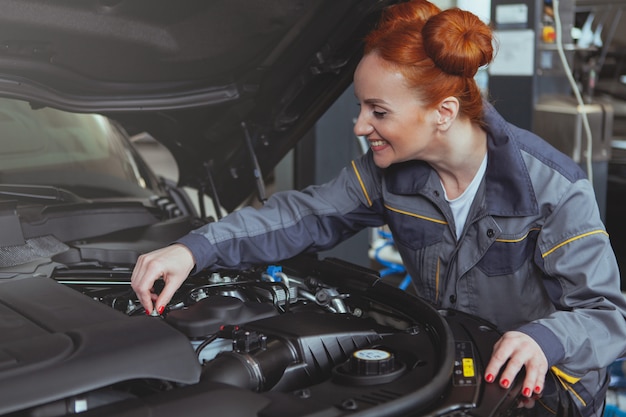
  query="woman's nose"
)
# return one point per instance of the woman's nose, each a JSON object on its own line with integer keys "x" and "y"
{"x": 361, "y": 127}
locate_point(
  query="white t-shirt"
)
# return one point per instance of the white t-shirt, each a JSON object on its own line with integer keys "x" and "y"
{"x": 460, "y": 206}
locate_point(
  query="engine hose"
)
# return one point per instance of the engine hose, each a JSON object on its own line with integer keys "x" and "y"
{"x": 257, "y": 371}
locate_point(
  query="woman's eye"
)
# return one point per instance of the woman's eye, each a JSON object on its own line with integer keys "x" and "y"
{"x": 379, "y": 114}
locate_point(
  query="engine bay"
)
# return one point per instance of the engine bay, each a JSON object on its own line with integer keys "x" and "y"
{"x": 307, "y": 337}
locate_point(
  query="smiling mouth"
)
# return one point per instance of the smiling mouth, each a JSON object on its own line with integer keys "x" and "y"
{"x": 376, "y": 143}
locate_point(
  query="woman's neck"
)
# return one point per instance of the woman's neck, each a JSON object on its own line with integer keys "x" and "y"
{"x": 464, "y": 148}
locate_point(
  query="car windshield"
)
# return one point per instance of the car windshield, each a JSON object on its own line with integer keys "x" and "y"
{"x": 86, "y": 154}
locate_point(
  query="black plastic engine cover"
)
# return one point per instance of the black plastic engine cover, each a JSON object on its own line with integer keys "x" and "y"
{"x": 55, "y": 342}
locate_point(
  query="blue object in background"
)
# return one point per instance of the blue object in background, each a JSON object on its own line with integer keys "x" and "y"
{"x": 391, "y": 268}
{"x": 616, "y": 396}
{"x": 617, "y": 373}
{"x": 612, "y": 410}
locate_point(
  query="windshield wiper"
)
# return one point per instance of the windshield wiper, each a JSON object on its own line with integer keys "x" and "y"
{"x": 38, "y": 192}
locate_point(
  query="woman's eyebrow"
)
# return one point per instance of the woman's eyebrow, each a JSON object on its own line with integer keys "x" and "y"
{"x": 375, "y": 101}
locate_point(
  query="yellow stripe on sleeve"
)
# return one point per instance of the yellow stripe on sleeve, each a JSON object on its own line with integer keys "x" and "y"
{"x": 595, "y": 232}
{"x": 358, "y": 176}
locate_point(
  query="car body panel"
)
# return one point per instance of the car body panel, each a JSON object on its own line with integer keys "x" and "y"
{"x": 220, "y": 83}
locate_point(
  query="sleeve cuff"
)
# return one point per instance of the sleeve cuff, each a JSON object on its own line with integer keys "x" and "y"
{"x": 200, "y": 249}
{"x": 547, "y": 341}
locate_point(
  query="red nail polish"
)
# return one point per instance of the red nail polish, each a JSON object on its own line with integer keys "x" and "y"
{"x": 526, "y": 392}
{"x": 505, "y": 383}
{"x": 489, "y": 378}
{"x": 161, "y": 310}
{"x": 537, "y": 389}
{"x": 147, "y": 312}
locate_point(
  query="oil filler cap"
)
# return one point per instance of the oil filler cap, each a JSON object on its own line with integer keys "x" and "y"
{"x": 371, "y": 362}
{"x": 368, "y": 367}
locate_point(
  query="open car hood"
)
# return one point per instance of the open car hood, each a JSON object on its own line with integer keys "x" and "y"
{"x": 229, "y": 86}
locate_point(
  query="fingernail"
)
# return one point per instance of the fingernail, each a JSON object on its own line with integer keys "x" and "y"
{"x": 505, "y": 383}
{"x": 537, "y": 389}
{"x": 147, "y": 312}
{"x": 161, "y": 310}
{"x": 489, "y": 378}
{"x": 526, "y": 392}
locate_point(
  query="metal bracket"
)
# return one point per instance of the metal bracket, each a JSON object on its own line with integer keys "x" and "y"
{"x": 258, "y": 177}
{"x": 213, "y": 190}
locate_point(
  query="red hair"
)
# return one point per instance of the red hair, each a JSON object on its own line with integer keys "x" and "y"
{"x": 438, "y": 52}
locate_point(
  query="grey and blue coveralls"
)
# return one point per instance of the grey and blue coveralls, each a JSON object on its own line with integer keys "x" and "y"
{"x": 534, "y": 255}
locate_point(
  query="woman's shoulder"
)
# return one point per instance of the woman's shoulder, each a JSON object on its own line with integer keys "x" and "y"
{"x": 533, "y": 147}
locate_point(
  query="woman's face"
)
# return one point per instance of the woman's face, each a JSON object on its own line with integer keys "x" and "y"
{"x": 392, "y": 118}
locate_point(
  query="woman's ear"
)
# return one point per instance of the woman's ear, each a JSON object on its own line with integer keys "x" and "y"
{"x": 447, "y": 112}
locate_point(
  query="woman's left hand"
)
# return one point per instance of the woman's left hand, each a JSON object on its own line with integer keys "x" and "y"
{"x": 517, "y": 350}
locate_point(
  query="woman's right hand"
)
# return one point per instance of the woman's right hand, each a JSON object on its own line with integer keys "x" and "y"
{"x": 172, "y": 264}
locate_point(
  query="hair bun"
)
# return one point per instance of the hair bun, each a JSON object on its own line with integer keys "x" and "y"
{"x": 458, "y": 42}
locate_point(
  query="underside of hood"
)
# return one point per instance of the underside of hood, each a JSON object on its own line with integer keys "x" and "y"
{"x": 229, "y": 86}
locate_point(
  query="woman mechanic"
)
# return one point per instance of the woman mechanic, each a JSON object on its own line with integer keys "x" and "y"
{"x": 488, "y": 218}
